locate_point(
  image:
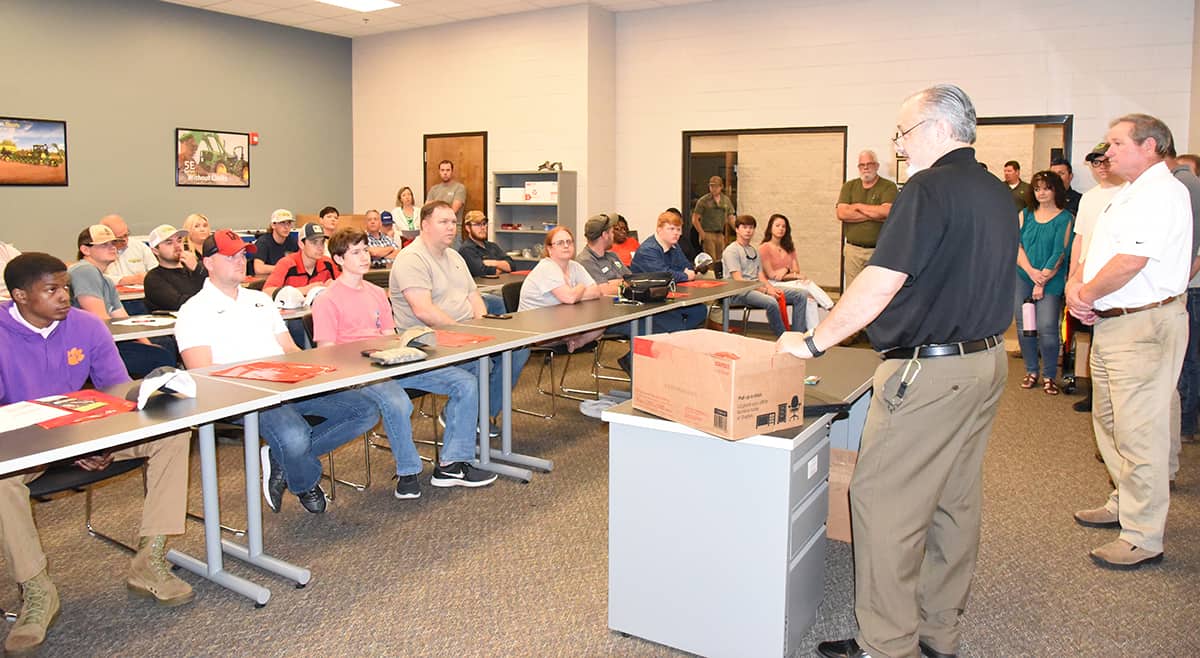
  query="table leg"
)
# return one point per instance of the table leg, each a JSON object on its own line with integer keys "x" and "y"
{"x": 505, "y": 452}
{"x": 214, "y": 569}
{"x": 485, "y": 442}
{"x": 725, "y": 314}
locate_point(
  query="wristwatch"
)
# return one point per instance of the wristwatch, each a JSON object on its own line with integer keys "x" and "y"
{"x": 812, "y": 346}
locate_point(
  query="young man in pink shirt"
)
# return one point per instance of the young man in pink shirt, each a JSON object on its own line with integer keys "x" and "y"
{"x": 353, "y": 309}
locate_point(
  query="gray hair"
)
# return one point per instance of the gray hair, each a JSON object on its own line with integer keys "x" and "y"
{"x": 1146, "y": 127}
{"x": 952, "y": 104}
{"x": 874, "y": 158}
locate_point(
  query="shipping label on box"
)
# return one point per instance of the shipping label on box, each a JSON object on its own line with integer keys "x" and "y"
{"x": 541, "y": 191}
{"x": 727, "y": 385}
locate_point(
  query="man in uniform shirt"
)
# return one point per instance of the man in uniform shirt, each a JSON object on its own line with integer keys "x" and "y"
{"x": 713, "y": 212}
{"x": 1022, "y": 193}
{"x": 449, "y": 190}
{"x": 178, "y": 275}
{"x": 483, "y": 257}
{"x": 862, "y": 207}
{"x": 134, "y": 258}
{"x": 225, "y": 323}
{"x": 937, "y": 295}
{"x": 1062, "y": 167}
{"x": 430, "y": 285}
{"x": 273, "y": 246}
{"x": 1131, "y": 288}
{"x": 49, "y": 348}
{"x": 306, "y": 269}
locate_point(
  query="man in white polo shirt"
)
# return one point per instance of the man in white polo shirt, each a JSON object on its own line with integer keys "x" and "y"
{"x": 1131, "y": 288}
{"x": 226, "y": 323}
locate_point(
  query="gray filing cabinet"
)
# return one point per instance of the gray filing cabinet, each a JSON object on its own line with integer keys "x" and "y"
{"x": 715, "y": 547}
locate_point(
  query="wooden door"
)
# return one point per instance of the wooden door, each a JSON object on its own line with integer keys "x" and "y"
{"x": 468, "y": 152}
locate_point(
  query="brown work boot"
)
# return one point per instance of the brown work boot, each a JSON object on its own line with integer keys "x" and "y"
{"x": 150, "y": 575}
{"x": 1097, "y": 518}
{"x": 1120, "y": 554}
{"x": 39, "y": 609}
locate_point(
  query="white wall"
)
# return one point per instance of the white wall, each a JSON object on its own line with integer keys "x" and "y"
{"x": 737, "y": 64}
{"x": 527, "y": 79}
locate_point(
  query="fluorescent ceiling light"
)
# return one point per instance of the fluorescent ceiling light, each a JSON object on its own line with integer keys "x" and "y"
{"x": 362, "y": 5}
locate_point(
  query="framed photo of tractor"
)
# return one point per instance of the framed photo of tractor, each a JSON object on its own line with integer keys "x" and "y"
{"x": 33, "y": 151}
{"x": 211, "y": 158}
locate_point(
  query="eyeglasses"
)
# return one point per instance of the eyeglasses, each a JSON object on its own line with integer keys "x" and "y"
{"x": 110, "y": 244}
{"x": 868, "y": 165}
{"x": 565, "y": 242}
{"x": 483, "y": 223}
{"x": 1100, "y": 162}
{"x": 122, "y": 239}
{"x": 900, "y": 135}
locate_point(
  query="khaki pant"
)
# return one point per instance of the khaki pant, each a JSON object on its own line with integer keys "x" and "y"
{"x": 162, "y": 513}
{"x": 915, "y": 500}
{"x": 713, "y": 243}
{"x": 856, "y": 258}
{"x": 1135, "y": 362}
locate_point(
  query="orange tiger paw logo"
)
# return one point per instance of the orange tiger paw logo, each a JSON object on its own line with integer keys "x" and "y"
{"x": 74, "y": 356}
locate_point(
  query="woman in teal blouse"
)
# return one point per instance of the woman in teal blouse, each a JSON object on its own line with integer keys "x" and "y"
{"x": 1042, "y": 275}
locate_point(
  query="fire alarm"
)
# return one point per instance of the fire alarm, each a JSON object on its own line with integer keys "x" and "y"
{"x": 253, "y": 139}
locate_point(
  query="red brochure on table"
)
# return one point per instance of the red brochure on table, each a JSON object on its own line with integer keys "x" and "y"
{"x": 699, "y": 283}
{"x": 270, "y": 371}
{"x": 458, "y": 339}
{"x": 82, "y": 406}
{"x": 678, "y": 295}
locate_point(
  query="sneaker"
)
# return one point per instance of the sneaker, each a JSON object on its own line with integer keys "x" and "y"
{"x": 150, "y": 575}
{"x": 39, "y": 609}
{"x": 313, "y": 500}
{"x": 273, "y": 480}
{"x": 407, "y": 486}
{"x": 1084, "y": 405}
{"x": 460, "y": 474}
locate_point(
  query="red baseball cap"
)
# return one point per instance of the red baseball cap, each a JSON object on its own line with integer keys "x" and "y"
{"x": 226, "y": 243}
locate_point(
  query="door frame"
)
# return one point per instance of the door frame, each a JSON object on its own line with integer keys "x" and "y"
{"x": 425, "y": 156}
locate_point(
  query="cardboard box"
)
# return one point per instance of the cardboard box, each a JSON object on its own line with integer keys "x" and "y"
{"x": 512, "y": 195}
{"x": 841, "y": 470}
{"x": 727, "y": 385}
{"x": 541, "y": 191}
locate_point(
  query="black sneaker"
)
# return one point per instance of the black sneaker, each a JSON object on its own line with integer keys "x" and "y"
{"x": 273, "y": 480}
{"x": 407, "y": 486}
{"x": 493, "y": 430}
{"x": 313, "y": 500}
{"x": 460, "y": 474}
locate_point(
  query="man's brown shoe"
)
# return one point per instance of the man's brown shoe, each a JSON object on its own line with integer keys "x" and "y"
{"x": 1188, "y": 438}
{"x": 150, "y": 575}
{"x": 39, "y": 609}
{"x": 1120, "y": 554}
{"x": 1097, "y": 518}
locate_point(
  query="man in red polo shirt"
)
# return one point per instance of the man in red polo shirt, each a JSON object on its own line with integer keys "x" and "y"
{"x": 306, "y": 269}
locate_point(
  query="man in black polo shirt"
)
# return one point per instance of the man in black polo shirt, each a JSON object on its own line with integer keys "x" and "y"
{"x": 936, "y": 294}
{"x": 274, "y": 245}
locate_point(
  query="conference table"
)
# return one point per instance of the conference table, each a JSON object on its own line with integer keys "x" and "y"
{"x": 153, "y": 326}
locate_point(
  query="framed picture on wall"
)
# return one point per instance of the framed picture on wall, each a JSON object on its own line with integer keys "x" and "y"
{"x": 33, "y": 151}
{"x": 211, "y": 158}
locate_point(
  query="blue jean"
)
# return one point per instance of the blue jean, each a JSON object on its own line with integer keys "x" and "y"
{"x": 297, "y": 446}
{"x": 140, "y": 358}
{"x": 1049, "y": 316}
{"x": 461, "y": 414}
{"x": 1189, "y": 377}
{"x": 495, "y": 379}
{"x": 679, "y": 319}
{"x": 756, "y": 299}
{"x": 494, "y": 303}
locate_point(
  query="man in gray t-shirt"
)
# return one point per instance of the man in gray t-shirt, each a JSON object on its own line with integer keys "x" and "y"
{"x": 430, "y": 285}
{"x": 449, "y": 190}
{"x": 742, "y": 263}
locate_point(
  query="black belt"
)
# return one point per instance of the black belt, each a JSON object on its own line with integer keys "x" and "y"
{"x": 947, "y": 349}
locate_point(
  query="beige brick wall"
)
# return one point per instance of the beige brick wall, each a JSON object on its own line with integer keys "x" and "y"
{"x": 799, "y": 176}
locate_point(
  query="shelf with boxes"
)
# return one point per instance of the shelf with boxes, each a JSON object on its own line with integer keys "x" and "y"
{"x": 528, "y": 204}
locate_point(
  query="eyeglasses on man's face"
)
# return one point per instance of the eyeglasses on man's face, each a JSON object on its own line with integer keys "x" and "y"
{"x": 900, "y": 134}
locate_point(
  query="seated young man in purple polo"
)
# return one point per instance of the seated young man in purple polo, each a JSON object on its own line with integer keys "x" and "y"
{"x": 49, "y": 348}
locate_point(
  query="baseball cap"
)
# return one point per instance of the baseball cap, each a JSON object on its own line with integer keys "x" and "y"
{"x": 1098, "y": 151}
{"x": 282, "y": 215}
{"x": 386, "y": 218}
{"x": 226, "y": 243}
{"x": 313, "y": 230}
{"x": 164, "y": 232}
{"x": 475, "y": 217}
{"x": 596, "y": 225}
{"x": 96, "y": 234}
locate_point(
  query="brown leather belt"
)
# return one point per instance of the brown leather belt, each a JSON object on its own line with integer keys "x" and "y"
{"x": 1118, "y": 312}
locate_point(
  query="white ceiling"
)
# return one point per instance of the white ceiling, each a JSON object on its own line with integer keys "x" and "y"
{"x": 313, "y": 15}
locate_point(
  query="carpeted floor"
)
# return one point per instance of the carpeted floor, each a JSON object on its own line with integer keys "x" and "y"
{"x": 521, "y": 570}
